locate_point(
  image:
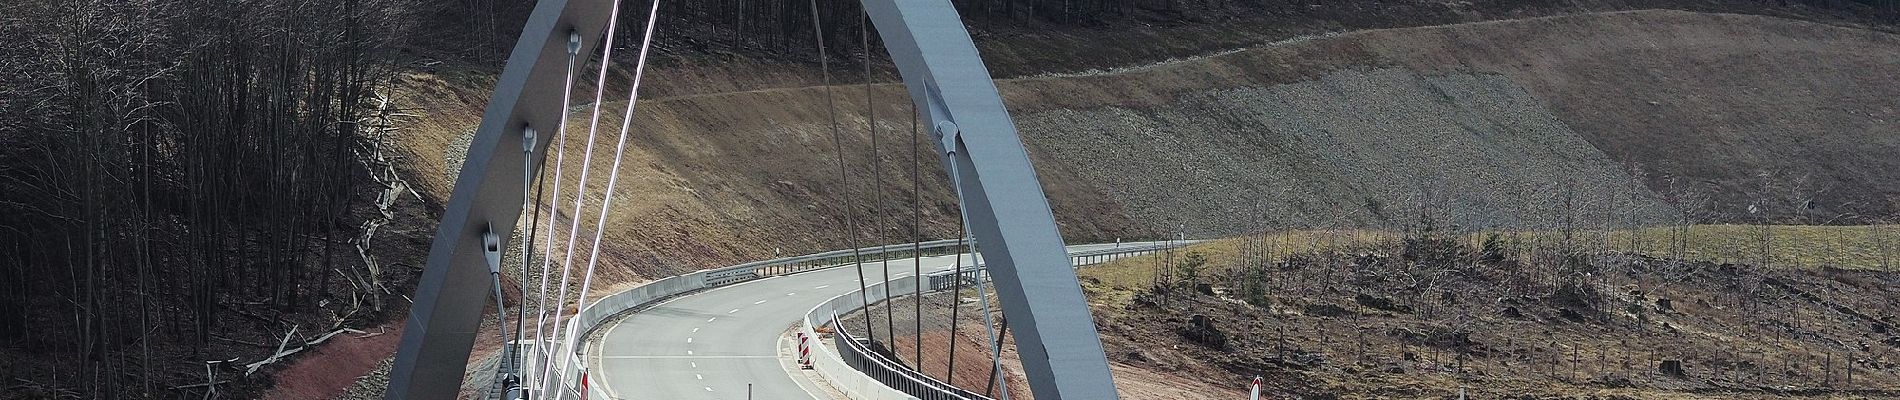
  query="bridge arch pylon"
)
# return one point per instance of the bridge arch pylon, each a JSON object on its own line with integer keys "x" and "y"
{"x": 1008, "y": 212}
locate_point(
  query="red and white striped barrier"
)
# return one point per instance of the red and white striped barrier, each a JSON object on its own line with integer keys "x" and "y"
{"x": 1256, "y": 389}
{"x": 583, "y": 386}
{"x": 804, "y": 351}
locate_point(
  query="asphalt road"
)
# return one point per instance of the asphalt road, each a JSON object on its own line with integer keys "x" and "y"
{"x": 713, "y": 344}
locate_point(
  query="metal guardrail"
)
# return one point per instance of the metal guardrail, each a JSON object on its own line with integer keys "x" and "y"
{"x": 894, "y": 375}
{"x": 791, "y": 265}
{"x": 942, "y": 280}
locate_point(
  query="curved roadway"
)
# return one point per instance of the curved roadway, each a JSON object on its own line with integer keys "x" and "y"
{"x": 713, "y": 344}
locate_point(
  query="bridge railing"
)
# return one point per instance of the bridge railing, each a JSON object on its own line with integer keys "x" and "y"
{"x": 640, "y": 297}
{"x": 894, "y": 374}
{"x": 872, "y": 375}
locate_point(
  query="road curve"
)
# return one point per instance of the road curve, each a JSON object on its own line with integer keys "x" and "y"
{"x": 713, "y": 344}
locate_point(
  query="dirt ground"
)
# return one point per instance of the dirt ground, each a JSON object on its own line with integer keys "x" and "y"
{"x": 1375, "y": 320}
{"x": 1378, "y": 320}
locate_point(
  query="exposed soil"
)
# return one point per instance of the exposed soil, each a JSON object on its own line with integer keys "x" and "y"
{"x": 327, "y": 372}
{"x": 1372, "y": 321}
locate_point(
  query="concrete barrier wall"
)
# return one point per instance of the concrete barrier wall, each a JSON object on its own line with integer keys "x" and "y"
{"x": 828, "y": 363}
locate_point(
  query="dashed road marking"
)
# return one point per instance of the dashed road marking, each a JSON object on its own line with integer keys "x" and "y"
{"x": 822, "y": 286}
{"x": 701, "y": 377}
{"x": 791, "y": 294}
{"x": 695, "y": 330}
{"x": 708, "y": 388}
{"x": 733, "y": 311}
{"x": 759, "y": 302}
{"x": 711, "y": 319}
{"x": 689, "y": 340}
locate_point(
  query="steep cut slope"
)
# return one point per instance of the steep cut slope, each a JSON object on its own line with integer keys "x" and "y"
{"x": 1354, "y": 147}
{"x": 1712, "y": 98}
{"x": 1495, "y": 123}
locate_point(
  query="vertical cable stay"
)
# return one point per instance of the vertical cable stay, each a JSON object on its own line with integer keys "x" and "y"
{"x": 613, "y": 175}
{"x": 531, "y": 205}
{"x": 547, "y": 249}
{"x": 539, "y": 185}
{"x": 512, "y": 352}
{"x": 844, "y": 177}
{"x": 917, "y": 236}
{"x": 982, "y": 271}
{"x": 877, "y": 181}
{"x": 956, "y": 297}
{"x": 580, "y": 189}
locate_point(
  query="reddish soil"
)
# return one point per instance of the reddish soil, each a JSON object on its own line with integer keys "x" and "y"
{"x": 338, "y": 363}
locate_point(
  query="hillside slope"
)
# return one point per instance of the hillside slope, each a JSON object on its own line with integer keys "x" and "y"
{"x": 1709, "y": 98}
{"x": 1505, "y": 118}
{"x": 1494, "y": 124}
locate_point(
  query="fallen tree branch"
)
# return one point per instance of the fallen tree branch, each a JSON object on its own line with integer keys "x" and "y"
{"x": 281, "y": 353}
{"x": 199, "y": 385}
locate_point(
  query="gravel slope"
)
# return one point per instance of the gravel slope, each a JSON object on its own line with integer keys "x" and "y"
{"x": 1354, "y": 147}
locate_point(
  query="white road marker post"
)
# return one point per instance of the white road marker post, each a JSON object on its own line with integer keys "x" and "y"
{"x": 1255, "y": 393}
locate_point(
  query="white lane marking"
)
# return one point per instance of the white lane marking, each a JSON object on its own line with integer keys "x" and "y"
{"x": 709, "y": 388}
{"x": 701, "y": 377}
{"x": 791, "y": 294}
{"x": 689, "y": 352}
{"x": 759, "y": 302}
{"x": 600, "y": 352}
{"x": 695, "y": 330}
{"x": 689, "y": 340}
{"x": 694, "y": 363}
{"x": 711, "y": 319}
{"x": 733, "y": 311}
{"x": 822, "y": 286}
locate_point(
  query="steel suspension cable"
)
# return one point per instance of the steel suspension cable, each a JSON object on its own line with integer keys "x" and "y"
{"x": 999, "y": 355}
{"x": 524, "y": 367}
{"x": 844, "y": 177}
{"x": 956, "y": 297}
{"x": 580, "y": 190}
{"x": 560, "y": 159}
{"x": 877, "y": 181}
{"x": 613, "y": 175}
{"x": 533, "y": 205}
{"x": 982, "y": 271}
{"x": 917, "y": 236}
{"x": 510, "y": 352}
